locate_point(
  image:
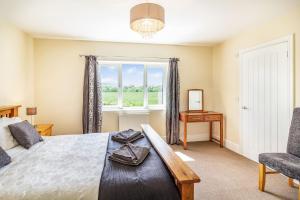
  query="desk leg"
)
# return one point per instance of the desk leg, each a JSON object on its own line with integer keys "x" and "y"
{"x": 210, "y": 131}
{"x": 221, "y": 132}
{"x": 185, "y": 136}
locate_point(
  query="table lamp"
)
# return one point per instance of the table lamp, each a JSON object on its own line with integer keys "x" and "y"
{"x": 31, "y": 111}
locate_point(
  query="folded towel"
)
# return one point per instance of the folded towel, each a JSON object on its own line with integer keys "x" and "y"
{"x": 127, "y": 141}
{"x": 130, "y": 154}
{"x": 127, "y": 136}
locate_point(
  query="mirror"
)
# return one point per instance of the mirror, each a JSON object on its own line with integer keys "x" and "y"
{"x": 195, "y": 100}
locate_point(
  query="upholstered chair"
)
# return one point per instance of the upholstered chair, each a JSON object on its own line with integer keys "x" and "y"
{"x": 287, "y": 163}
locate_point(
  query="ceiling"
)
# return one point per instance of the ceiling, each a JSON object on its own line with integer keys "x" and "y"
{"x": 194, "y": 22}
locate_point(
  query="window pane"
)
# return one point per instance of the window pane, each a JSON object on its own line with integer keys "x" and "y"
{"x": 155, "y": 85}
{"x": 109, "y": 79}
{"x": 133, "y": 85}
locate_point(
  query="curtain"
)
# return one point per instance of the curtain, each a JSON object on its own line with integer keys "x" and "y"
{"x": 172, "y": 109}
{"x": 92, "y": 100}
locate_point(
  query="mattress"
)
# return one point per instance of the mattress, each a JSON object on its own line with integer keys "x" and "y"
{"x": 59, "y": 168}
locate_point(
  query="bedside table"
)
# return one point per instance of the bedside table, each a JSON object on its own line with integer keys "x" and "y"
{"x": 44, "y": 129}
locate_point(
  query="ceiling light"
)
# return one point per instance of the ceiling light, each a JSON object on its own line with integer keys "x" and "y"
{"x": 147, "y": 19}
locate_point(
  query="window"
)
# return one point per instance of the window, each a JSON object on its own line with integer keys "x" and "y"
{"x": 155, "y": 78}
{"x": 110, "y": 87}
{"x": 133, "y": 84}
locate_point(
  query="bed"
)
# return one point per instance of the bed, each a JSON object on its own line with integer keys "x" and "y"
{"x": 73, "y": 166}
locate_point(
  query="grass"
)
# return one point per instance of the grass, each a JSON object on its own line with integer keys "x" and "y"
{"x": 110, "y": 98}
{"x": 130, "y": 99}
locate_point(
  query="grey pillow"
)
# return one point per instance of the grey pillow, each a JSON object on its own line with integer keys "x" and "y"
{"x": 25, "y": 134}
{"x": 4, "y": 158}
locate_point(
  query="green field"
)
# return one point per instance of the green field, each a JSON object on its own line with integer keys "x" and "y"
{"x": 130, "y": 99}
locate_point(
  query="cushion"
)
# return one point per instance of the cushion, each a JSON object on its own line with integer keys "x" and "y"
{"x": 293, "y": 146}
{"x": 285, "y": 163}
{"x": 7, "y": 141}
{"x": 25, "y": 134}
{"x": 4, "y": 158}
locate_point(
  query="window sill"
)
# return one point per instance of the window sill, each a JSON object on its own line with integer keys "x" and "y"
{"x": 128, "y": 110}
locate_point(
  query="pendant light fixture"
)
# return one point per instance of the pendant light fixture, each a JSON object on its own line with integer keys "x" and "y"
{"x": 147, "y": 19}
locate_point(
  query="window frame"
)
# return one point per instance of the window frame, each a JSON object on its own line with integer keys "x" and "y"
{"x": 146, "y": 64}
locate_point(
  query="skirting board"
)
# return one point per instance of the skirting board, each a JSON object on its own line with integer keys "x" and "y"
{"x": 193, "y": 137}
{"x": 204, "y": 137}
{"x": 232, "y": 146}
{"x": 196, "y": 137}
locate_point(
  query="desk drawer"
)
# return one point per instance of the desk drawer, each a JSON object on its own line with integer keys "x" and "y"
{"x": 212, "y": 117}
{"x": 195, "y": 118}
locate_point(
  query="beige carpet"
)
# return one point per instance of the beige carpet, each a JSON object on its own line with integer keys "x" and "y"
{"x": 227, "y": 175}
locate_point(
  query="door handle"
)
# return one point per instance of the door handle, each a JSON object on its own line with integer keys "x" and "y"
{"x": 244, "y": 108}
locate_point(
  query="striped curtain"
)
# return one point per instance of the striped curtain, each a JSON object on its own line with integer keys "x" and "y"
{"x": 172, "y": 110}
{"x": 92, "y": 100}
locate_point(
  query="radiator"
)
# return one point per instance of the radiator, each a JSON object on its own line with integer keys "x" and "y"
{"x": 133, "y": 120}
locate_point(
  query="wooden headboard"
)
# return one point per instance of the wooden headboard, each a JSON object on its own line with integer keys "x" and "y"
{"x": 9, "y": 111}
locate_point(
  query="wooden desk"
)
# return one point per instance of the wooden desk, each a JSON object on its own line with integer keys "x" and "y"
{"x": 191, "y": 117}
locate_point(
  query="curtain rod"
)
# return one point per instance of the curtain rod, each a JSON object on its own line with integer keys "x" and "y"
{"x": 126, "y": 57}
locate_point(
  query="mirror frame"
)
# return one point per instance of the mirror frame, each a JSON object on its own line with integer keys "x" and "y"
{"x": 200, "y": 90}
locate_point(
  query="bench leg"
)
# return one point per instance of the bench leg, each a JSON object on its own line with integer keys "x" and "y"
{"x": 262, "y": 177}
{"x": 187, "y": 191}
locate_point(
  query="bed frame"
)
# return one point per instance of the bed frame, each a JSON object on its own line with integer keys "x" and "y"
{"x": 9, "y": 111}
{"x": 183, "y": 175}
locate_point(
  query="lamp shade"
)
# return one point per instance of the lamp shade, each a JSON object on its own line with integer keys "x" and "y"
{"x": 31, "y": 111}
{"x": 147, "y": 19}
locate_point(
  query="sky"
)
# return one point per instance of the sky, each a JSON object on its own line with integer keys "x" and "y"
{"x": 132, "y": 74}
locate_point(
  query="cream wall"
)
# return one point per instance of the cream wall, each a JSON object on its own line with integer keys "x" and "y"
{"x": 16, "y": 68}
{"x": 226, "y": 66}
{"x": 49, "y": 74}
{"x": 59, "y": 79}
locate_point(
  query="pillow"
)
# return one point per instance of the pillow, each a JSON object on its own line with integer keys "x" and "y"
{"x": 7, "y": 141}
{"x": 5, "y": 159}
{"x": 25, "y": 134}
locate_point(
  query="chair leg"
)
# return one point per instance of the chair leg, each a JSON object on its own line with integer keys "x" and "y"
{"x": 262, "y": 177}
{"x": 291, "y": 182}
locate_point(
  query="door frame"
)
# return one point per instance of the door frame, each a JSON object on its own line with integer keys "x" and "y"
{"x": 291, "y": 63}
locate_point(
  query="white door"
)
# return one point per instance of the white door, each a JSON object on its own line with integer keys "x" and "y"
{"x": 266, "y": 98}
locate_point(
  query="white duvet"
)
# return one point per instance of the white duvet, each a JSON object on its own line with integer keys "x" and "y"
{"x": 60, "y": 168}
